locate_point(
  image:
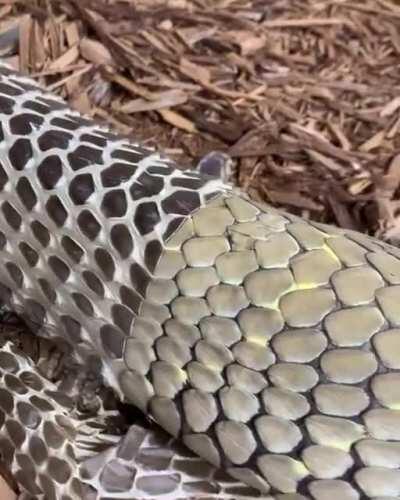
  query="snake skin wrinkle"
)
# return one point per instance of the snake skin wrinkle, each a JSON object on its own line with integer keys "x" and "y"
{"x": 266, "y": 344}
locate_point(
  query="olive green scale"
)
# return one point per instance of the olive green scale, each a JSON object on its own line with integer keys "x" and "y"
{"x": 278, "y": 358}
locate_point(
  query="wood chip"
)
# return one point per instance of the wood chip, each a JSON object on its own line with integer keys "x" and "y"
{"x": 167, "y": 99}
{"x": 177, "y": 120}
{"x": 69, "y": 57}
{"x": 374, "y": 142}
{"x": 391, "y": 107}
{"x": 25, "y": 30}
{"x": 95, "y": 52}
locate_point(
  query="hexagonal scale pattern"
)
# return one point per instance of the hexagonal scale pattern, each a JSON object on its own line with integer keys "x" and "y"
{"x": 299, "y": 337}
{"x": 267, "y": 344}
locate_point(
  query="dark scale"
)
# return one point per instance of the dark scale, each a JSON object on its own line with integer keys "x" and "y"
{"x": 83, "y": 303}
{"x": 27, "y": 87}
{"x": 25, "y": 123}
{"x": 40, "y": 233}
{"x": 189, "y": 182}
{"x": 37, "y": 449}
{"x": 30, "y": 255}
{"x": 94, "y": 283}
{"x": 15, "y": 273}
{"x": 54, "y": 139}
{"x": 81, "y": 188}
{"x": 111, "y": 136}
{"x": 59, "y": 268}
{"x": 28, "y": 480}
{"x": 50, "y": 171}
{"x": 32, "y": 380}
{"x": 152, "y": 254}
{"x": 10, "y": 90}
{"x": 116, "y": 174}
{"x": 114, "y": 203}
{"x": 28, "y": 415}
{"x": 122, "y": 317}
{"x": 11, "y": 216}
{"x": 64, "y": 123}
{"x": 3, "y": 240}
{"x": 212, "y": 196}
{"x": 72, "y": 328}
{"x": 121, "y": 240}
{"x": 36, "y": 106}
{"x": 181, "y": 202}
{"x": 105, "y": 263}
{"x": 52, "y": 434}
{"x": 5, "y": 295}
{"x": 26, "y": 193}
{"x": 35, "y": 313}
{"x": 7, "y": 451}
{"x": 20, "y": 153}
{"x": 3, "y": 177}
{"x": 83, "y": 156}
{"x": 113, "y": 341}
{"x": 131, "y": 298}
{"x": 48, "y": 290}
{"x": 88, "y": 224}
{"x": 8, "y": 363}
{"x": 56, "y": 210}
{"x": 166, "y": 171}
{"x": 59, "y": 470}
{"x": 53, "y": 104}
{"x": 72, "y": 249}
{"x": 172, "y": 227}
{"x": 6, "y": 401}
{"x": 68, "y": 119}
{"x": 6, "y": 105}
{"x": 14, "y": 384}
{"x": 94, "y": 139}
{"x": 146, "y": 217}
{"x": 139, "y": 278}
{"x": 146, "y": 185}
{"x": 48, "y": 486}
{"x": 129, "y": 156}
{"x": 6, "y": 72}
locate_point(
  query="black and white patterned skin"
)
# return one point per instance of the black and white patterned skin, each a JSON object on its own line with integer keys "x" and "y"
{"x": 267, "y": 344}
{"x": 55, "y": 164}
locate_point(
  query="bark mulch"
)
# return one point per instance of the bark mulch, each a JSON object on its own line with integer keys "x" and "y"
{"x": 303, "y": 95}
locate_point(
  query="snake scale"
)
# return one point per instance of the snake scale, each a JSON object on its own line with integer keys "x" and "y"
{"x": 268, "y": 345}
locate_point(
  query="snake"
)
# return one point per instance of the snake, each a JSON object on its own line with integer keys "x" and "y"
{"x": 264, "y": 345}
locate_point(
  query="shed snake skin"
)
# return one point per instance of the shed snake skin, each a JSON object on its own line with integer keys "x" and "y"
{"x": 267, "y": 345}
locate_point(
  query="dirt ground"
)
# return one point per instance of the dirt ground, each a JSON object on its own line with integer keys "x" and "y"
{"x": 303, "y": 95}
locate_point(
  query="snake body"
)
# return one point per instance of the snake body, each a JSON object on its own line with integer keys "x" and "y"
{"x": 267, "y": 344}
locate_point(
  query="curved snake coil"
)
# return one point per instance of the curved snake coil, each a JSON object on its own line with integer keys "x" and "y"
{"x": 266, "y": 344}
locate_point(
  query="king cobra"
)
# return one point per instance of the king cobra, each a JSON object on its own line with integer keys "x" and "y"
{"x": 266, "y": 344}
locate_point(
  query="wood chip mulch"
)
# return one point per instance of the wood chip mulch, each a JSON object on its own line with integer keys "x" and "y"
{"x": 304, "y": 95}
